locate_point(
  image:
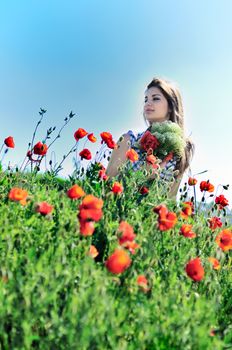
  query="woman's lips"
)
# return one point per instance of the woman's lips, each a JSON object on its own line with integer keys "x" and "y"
{"x": 149, "y": 111}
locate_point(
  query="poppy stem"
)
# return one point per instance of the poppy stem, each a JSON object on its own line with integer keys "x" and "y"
{"x": 42, "y": 111}
{"x": 65, "y": 156}
{"x": 195, "y": 198}
{"x": 2, "y": 147}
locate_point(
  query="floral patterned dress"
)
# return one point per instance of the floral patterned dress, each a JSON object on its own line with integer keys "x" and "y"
{"x": 167, "y": 171}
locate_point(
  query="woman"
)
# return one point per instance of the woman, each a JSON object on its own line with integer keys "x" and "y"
{"x": 162, "y": 102}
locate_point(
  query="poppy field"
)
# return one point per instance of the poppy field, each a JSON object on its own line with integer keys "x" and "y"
{"x": 92, "y": 262}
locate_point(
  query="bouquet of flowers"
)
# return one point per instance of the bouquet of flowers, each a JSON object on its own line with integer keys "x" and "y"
{"x": 162, "y": 139}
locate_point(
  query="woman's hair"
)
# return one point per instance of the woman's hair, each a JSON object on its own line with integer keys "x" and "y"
{"x": 173, "y": 96}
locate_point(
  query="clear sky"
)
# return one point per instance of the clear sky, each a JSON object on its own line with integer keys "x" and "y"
{"x": 96, "y": 57}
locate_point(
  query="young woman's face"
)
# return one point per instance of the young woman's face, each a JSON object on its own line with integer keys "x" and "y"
{"x": 155, "y": 106}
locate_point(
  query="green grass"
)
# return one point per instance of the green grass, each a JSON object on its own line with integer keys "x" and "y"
{"x": 54, "y": 296}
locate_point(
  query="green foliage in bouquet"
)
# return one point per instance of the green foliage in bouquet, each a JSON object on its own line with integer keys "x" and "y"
{"x": 170, "y": 137}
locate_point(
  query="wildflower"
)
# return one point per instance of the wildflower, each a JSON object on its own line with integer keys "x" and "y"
{"x": 92, "y": 202}
{"x": 195, "y": 270}
{"x": 215, "y": 263}
{"x": 142, "y": 282}
{"x": 86, "y": 154}
{"x": 117, "y": 187}
{"x": 224, "y": 239}
{"x": 212, "y": 333}
{"x": 40, "y": 149}
{"x": 9, "y": 142}
{"x": 79, "y": 134}
{"x": 43, "y": 208}
{"x": 111, "y": 144}
{"x": 127, "y": 232}
{"x": 168, "y": 157}
{"x": 148, "y": 141}
{"x": 185, "y": 230}
{"x": 18, "y": 194}
{"x": 91, "y": 208}
{"x": 118, "y": 262}
{"x": 132, "y": 155}
{"x": 187, "y": 210}
{"x": 206, "y": 186}
{"x": 93, "y": 252}
{"x": 106, "y": 136}
{"x": 192, "y": 181}
{"x": 92, "y": 138}
{"x": 86, "y": 228}
{"x": 102, "y": 174}
{"x": 75, "y": 192}
{"x": 144, "y": 190}
{"x": 214, "y": 222}
{"x": 108, "y": 139}
{"x": 222, "y": 201}
{"x": 161, "y": 209}
{"x": 131, "y": 246}
{"x": 152, "y": 160}
{"x": 166, "y": 219}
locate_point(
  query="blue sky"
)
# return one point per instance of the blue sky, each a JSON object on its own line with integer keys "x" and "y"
{"x": 96, "y": 58}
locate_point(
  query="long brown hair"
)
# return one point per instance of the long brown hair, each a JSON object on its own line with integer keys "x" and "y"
{"x": 173, "y": 96}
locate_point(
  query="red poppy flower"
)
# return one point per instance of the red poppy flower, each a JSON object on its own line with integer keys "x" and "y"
{"x": 224, "y": 239}
{"x": 40, "y": 149}
{"x": 43, "y": 208}
{"x": 131, "y": 246}
{"x": 127, "y": 232}
{"x": 108, "y": 139}
{"x": 102, "y": 175}
{"x": 75, "y": 192}
{"x": 185, "y": 230}
{"x": 86, "y": 154}
{"x": 118, "y": 262}
{"x": 167, "y": 221}
{"x": 112, "y": 144}
{"x": 18, "y": 194}
{"x": 148, "y": 141}
{"x": 92, "y": 202}
{"x": 222, "y": 201}
{"x": 161, "y": 209}
{"x": 195, "y": 270}
{"x": 142, "y": 282}
{"x": 91, "y": 208}
{"x": 86, "y": 228}
{"x": 117, "y": 188}
{"x": 90, "y": 214}
{"x": 214, "y": 223}
{"x": 168, "y": 157}
{"x": 215, "y": 263}
{"x": 79, "y": 134}
{"x": 192, "y": 181}
{"x": 9, "y": 142}
{"x": 92, "y": 138}
{"x": 206, "y": 186}
{"x": 93, "y": 252}
{"x": 132, "y": 155}
{"x": 144, "y": 190}
{"x": 106, "y": 136}
{"x": 187, "y": 210}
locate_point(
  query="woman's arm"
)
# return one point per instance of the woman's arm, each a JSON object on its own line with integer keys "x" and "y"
{"x": 118, "y": 156}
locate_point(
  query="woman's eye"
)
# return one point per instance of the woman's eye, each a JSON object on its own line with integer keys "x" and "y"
{"x": 155, "y": 98}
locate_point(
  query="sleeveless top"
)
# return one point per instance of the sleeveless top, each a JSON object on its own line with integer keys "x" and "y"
{"x": 166, "y": 173}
